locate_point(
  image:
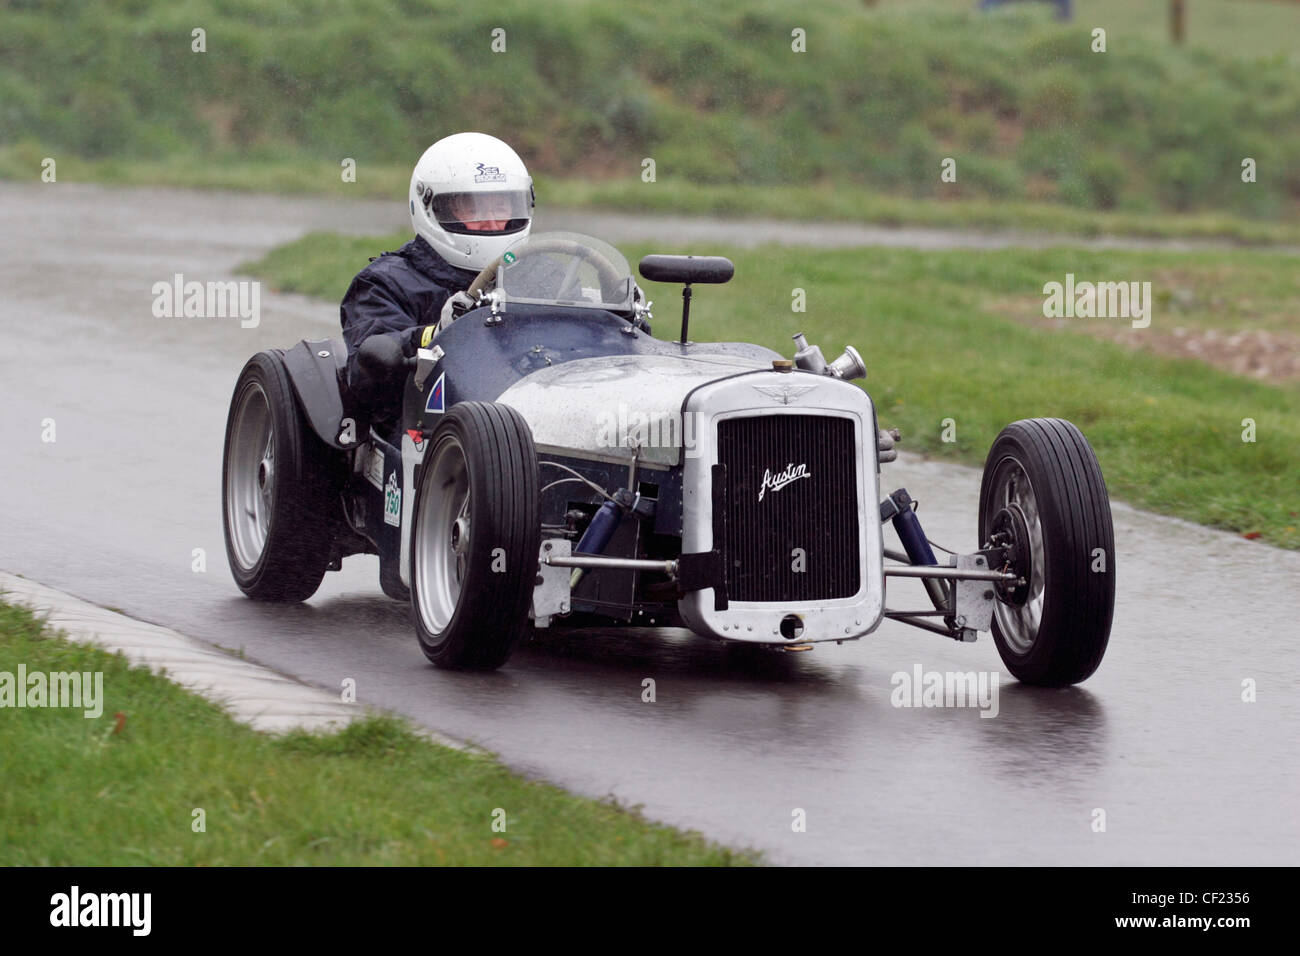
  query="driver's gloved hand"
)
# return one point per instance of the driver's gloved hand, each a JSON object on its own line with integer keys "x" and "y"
{"x": 456, "y": 305}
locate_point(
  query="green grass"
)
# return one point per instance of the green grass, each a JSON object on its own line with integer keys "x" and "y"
{"x": 78, "y": 793}
{"x": 587, "y": 89}
{"x": 952, "y": 334}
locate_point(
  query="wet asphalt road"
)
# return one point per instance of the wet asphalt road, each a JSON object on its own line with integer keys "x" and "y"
{"x": 111, "y": 511}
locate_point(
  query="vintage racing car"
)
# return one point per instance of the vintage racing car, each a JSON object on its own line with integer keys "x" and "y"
{"x": 556, "y": 464}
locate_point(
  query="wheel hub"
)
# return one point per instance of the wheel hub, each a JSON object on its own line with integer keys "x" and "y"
{"x": 460, "y": 535}
{"x": 1011, "y": 533}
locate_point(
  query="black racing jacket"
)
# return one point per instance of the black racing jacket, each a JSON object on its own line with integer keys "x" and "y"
{"x": 395, "y": 293}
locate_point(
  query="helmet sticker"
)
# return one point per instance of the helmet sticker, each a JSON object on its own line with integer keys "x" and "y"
{"x": 488, "y": 174}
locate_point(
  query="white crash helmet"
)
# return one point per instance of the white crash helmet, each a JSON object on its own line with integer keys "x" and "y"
{"x": 471, "y": 198}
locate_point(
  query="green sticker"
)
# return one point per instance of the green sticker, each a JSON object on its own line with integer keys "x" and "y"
{"x": 508, "y": 258}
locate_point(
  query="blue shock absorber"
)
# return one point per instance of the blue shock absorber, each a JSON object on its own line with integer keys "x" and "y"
{"x": 898, "y": 508}
{"x": 908, "y": 526}
{"x": 595, "y": 539}
{"x": 601, "y": 528}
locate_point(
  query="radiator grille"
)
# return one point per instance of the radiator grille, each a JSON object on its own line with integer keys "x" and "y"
{"x": 809, "y": 501}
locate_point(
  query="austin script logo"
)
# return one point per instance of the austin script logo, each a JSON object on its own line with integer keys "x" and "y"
{"x": 781, "y": 479}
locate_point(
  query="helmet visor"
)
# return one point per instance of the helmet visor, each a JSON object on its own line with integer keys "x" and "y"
{"x": 492, "y": 213}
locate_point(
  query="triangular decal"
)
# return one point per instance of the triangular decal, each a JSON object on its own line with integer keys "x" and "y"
{"x": 435, "y": 402}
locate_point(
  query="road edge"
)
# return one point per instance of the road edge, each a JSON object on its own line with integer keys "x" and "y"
{"x": 263, "y": 698}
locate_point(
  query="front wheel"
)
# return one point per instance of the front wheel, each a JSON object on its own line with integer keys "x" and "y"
{"x": 475, "y": 537}
{"x": 1043, "y": 499}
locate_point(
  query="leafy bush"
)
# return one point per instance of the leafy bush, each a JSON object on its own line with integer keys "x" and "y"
{"x": 1180, "y": 177}
{"x": 998, "y": 178}
{"x": 1103, "y": 178}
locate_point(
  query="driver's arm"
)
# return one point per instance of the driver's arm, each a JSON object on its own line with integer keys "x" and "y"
{"x": 373, "y": 307}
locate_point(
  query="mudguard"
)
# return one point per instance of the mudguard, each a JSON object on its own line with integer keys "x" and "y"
{"x": 314, "y": 369}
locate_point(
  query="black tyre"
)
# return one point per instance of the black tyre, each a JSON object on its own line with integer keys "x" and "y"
{"x": 474, "y": 537}
{"x": 276, "y": 488}
{"x": 1043, "y": 496}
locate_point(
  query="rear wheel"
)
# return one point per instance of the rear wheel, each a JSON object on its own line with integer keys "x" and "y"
{"x": 1044, "y": 500}
{"x": 276, "y": 488}
{"x": 474, "y": 537}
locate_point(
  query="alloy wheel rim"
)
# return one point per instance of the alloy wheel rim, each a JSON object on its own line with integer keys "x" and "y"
{"x": 443, "y": 528}
{"x": 1012, "y": 489}
{"x": 250, "y": 477}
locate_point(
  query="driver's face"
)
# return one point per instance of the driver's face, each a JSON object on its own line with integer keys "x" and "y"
{"x": 487, "y": 214}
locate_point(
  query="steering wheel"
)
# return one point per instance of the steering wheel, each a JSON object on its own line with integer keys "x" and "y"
{"x": 609, "y": 276}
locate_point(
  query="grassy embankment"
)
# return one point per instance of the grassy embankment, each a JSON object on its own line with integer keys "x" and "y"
{"x": 83, "y": 792}
{"x": 1047, "y": 135}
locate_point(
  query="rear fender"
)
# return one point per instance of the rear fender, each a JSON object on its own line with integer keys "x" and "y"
{"x": 315, "y": 369}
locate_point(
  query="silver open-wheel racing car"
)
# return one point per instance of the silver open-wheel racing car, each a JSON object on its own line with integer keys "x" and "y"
{"x": 555, "y": 463}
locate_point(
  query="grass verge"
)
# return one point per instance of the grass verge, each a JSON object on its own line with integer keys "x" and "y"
{"x": 952, "y": 335}
{"x": 83, "y": 792}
